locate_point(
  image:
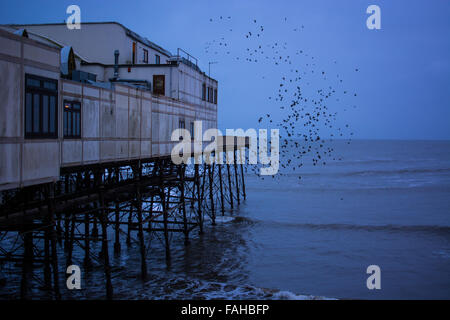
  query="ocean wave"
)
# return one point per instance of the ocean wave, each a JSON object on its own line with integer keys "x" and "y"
{"x": 288, "y": 295}
{"x": 444, "y": 253}
{"x": 343, "y": 226}
{"x": 368, "y": 172}
{"x": 395, "y": 171}
{"x": 382, "y": 161}
{"x": 183, "y": 288}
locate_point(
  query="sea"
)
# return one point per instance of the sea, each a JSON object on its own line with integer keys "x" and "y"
{"x": 384, "y": 203}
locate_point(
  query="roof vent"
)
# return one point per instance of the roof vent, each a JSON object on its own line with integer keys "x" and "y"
{"x": 22, "y": 33}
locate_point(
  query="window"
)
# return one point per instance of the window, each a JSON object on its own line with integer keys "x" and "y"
{"x": 204, "y": 92}
{"x": 192, "y": 130}
{"x": 145, "y": 57}
{"x": 133, "y": 61}
{"x": 210, "y": 95}
{"x": 72, "y": 119}
{"x": 41, "y": 114}
{"x": 181, "y": 125}
{"x": 157, "y": 59}
{"x": 215, "y": 96}
{"x": 158, "y": 84}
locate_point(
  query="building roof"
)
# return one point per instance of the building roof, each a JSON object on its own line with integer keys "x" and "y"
{"x": 128, "y": 32}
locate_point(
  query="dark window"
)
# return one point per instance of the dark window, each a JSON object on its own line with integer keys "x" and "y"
{"x": 145, "y": 58}
{"x": 157, "y": 59}
{"x": 215, "y": 96}
{"x": 41, "y": 116}
{"x": 181, "y": 125}
{"x": 133, "y": 53}
{"x": 192, "y": 130}
{"x": 72, "y": 119}
{"x": 204, "y": 92}
{"x": 210, "y": 95}
{"x": 158, "y": 84}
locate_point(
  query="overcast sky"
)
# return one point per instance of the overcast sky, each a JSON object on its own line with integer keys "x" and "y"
{"x": 403, "y": 78}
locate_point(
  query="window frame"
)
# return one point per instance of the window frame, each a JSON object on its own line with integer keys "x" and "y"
{"x": 157, "y": 59}
{"x": 192, "y": 130}
{"x": 215, "y": 96}
{"x": 204, "y": 91}
{"x": 145, "y": 57}
{"x": 40, "y": 91}
{"x": 72, "y": 111}
{"x": 160, "y": 91}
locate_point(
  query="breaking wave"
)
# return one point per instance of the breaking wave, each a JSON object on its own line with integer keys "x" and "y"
{"x": 181, "y": 288}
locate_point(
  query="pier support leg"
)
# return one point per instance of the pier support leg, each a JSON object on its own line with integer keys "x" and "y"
{"x": 58, "y": 229}
{"x": 230, "y": 187}
{"x": 95, "y": 227}
{"x": 87, "y": 258}
{"x": 27, "y": 263}
{"x": 103, "y": 220}
{"x": 211, "y": 192}
{"x": 183, "y": 205}
{"x": 53, "y": 240}
{"x": 66, "y": 231}
{"x": 165, "y": 207}
{"x": 141, "y": 231}
{"x": 152, "y": 202}
{"x": 237, "y": 179}
{"x": 199, "y": 198}
{"x": 71, "y": 233}
{"x": 117, "y": 229}
{"x": 221, "y": 189}
{"x": 243, "y": 182}
{"x": 47, "y": 269}
{"x": 130, "y": 225}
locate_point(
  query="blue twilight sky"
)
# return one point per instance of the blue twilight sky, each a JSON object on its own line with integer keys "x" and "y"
{"x": 403, "y": 78}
